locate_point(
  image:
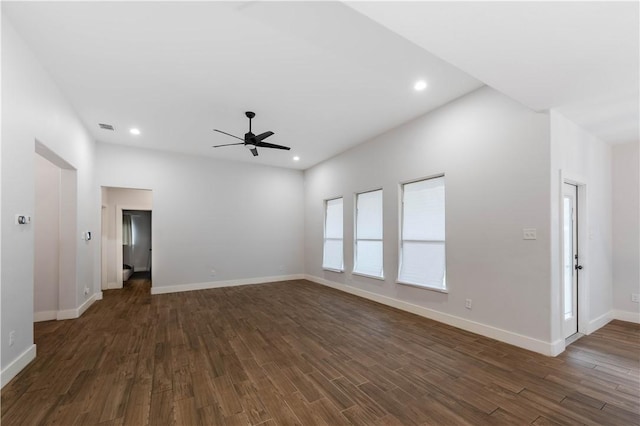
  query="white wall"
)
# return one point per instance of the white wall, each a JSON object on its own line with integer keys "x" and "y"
{"x": 115, "y": 199}
{"x": 495, "y": 157}
{"x": 34, "y": 109}
{"x": 46, "y": 239}
{"x": 626, "y": 230}
{"x": 241, "y": 220}
{"x": 580, "y": 156}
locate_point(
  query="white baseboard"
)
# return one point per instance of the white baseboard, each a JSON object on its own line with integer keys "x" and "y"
{"x": 99, "y": 295}
{"x": 557, "y": 347}
{"x": 77, "y": 312}
{"x": 597, "y": 323}
{"x": 16, "y": 366}
{"x": 219, "y": 284}
{"x": 535, "y": 345}
{"x": 45, "y": 316}
{"x": 626, "y": 316}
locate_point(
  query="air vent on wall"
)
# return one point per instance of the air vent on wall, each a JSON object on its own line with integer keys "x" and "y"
{"x": 105, "y": 126}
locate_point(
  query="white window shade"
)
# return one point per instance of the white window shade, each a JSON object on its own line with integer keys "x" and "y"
{"x": 368, "y": 241}
{"x": 424, "y": 210}
{"x": 422, "y": 251}
{"x": 333, "y": 251}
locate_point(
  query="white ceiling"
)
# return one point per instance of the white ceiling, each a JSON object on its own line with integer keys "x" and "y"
{"x": 321, "y": 76}
{"x": 325, "y": 76}
{"x": 578, "y": 57}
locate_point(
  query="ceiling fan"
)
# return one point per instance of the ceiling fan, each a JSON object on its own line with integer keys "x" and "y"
{"x": 251, "y": 141}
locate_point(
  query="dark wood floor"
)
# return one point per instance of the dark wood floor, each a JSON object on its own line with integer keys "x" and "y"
{"x": 299, "y": 353}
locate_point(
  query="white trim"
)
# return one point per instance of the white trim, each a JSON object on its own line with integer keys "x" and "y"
{"x": 77, "y": 312}
{"x": 557, "y": 347}
{"x": 626, "y": 316}
{"x": 599, "y": 322}
{"x": 99, "y": 295}
{"x": 373, "y": 277}
{"x": 67, "y": 314}
{"x": 424, "y": 287}
{"x": 505, "y": 336}
{"x": 44, "y": 316}
{"x": 17, "y": 365}
{"x": 82, "y": 308}
{"x": 218, "y": 284}
{"x": 113, "y": 286}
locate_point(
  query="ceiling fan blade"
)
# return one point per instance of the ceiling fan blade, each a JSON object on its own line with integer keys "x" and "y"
{"x": 228, "y": 144}
{"x": 271, "y": 145}
{"x": 228, "y": 134}
{"x": 254, "y": 151}
{"x": 263, "y": 136}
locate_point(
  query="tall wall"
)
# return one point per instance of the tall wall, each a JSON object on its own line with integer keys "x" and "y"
{"x": 213, "y": 221}
{"x": 581, "y": 157}
{"x": 494, "y": 154}
{"x": 33, "y": 109}
{"x": 626, "y": 230}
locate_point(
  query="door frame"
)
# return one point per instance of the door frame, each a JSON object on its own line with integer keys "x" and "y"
{"x": 583, "y": 235}
{"x": 119, "y": 210}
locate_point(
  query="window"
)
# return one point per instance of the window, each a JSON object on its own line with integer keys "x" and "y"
{"x": 422, "y": 242}
{"x": 332, "y": 258}
{"x": 368, "y": 239}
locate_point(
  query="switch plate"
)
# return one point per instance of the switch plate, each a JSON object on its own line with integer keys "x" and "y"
{"x": 635, "y": 298}
{"x": 529, "y": 234}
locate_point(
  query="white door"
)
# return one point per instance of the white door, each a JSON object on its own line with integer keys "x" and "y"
{"x": 571, "y": 267}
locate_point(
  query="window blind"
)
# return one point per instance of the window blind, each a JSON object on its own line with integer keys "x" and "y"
{"x": 368, "y": 241}
{"x": 422, "y": 251}
{"x": 332, "y": 257}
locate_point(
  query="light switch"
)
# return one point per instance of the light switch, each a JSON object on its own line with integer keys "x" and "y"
{"x": 529, "y": 234}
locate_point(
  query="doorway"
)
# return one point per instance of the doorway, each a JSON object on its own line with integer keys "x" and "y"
{"x": 134, "y": 248}
{"x": 136, "y": 245}
{"x": 571, "y": 266}
{"x": 55, "y": 228}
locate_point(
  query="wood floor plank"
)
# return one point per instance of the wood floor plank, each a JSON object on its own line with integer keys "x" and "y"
{"x": 299, "y": 353}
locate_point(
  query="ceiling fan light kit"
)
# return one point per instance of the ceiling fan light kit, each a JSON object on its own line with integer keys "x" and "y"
{"x": 251, "y": 141}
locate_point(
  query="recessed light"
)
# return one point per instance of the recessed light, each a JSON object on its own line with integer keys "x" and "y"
{"x": 134, "y": 131}
{"x": 296, "y": 158}
{"x": 420, "y": 85}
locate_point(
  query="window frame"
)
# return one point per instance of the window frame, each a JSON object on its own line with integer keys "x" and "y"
{"x": 355, "y": 235}
{"x": 324, "y": 233}
{"x": 401, "y": 185}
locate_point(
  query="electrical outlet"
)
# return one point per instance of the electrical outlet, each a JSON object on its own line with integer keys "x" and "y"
{"x": 635, "y": 298}
{"x": 467, "y": 303}
{"x": 12, "y": 337}
{"x": 86, "y": 291}
{"x": 529, "y": 234}
{"x": 213, "y": 273}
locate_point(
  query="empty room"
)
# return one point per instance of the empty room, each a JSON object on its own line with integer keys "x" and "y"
{"x": 320, "y": 213}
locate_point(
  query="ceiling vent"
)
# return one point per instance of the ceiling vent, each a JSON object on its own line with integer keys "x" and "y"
{"x": 105, "y": 126}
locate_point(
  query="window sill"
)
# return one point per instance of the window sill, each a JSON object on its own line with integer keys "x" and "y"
{"x": 375, "y": 277}
{"x": 425, "y": 287}
{"x": 339, "y": 271}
